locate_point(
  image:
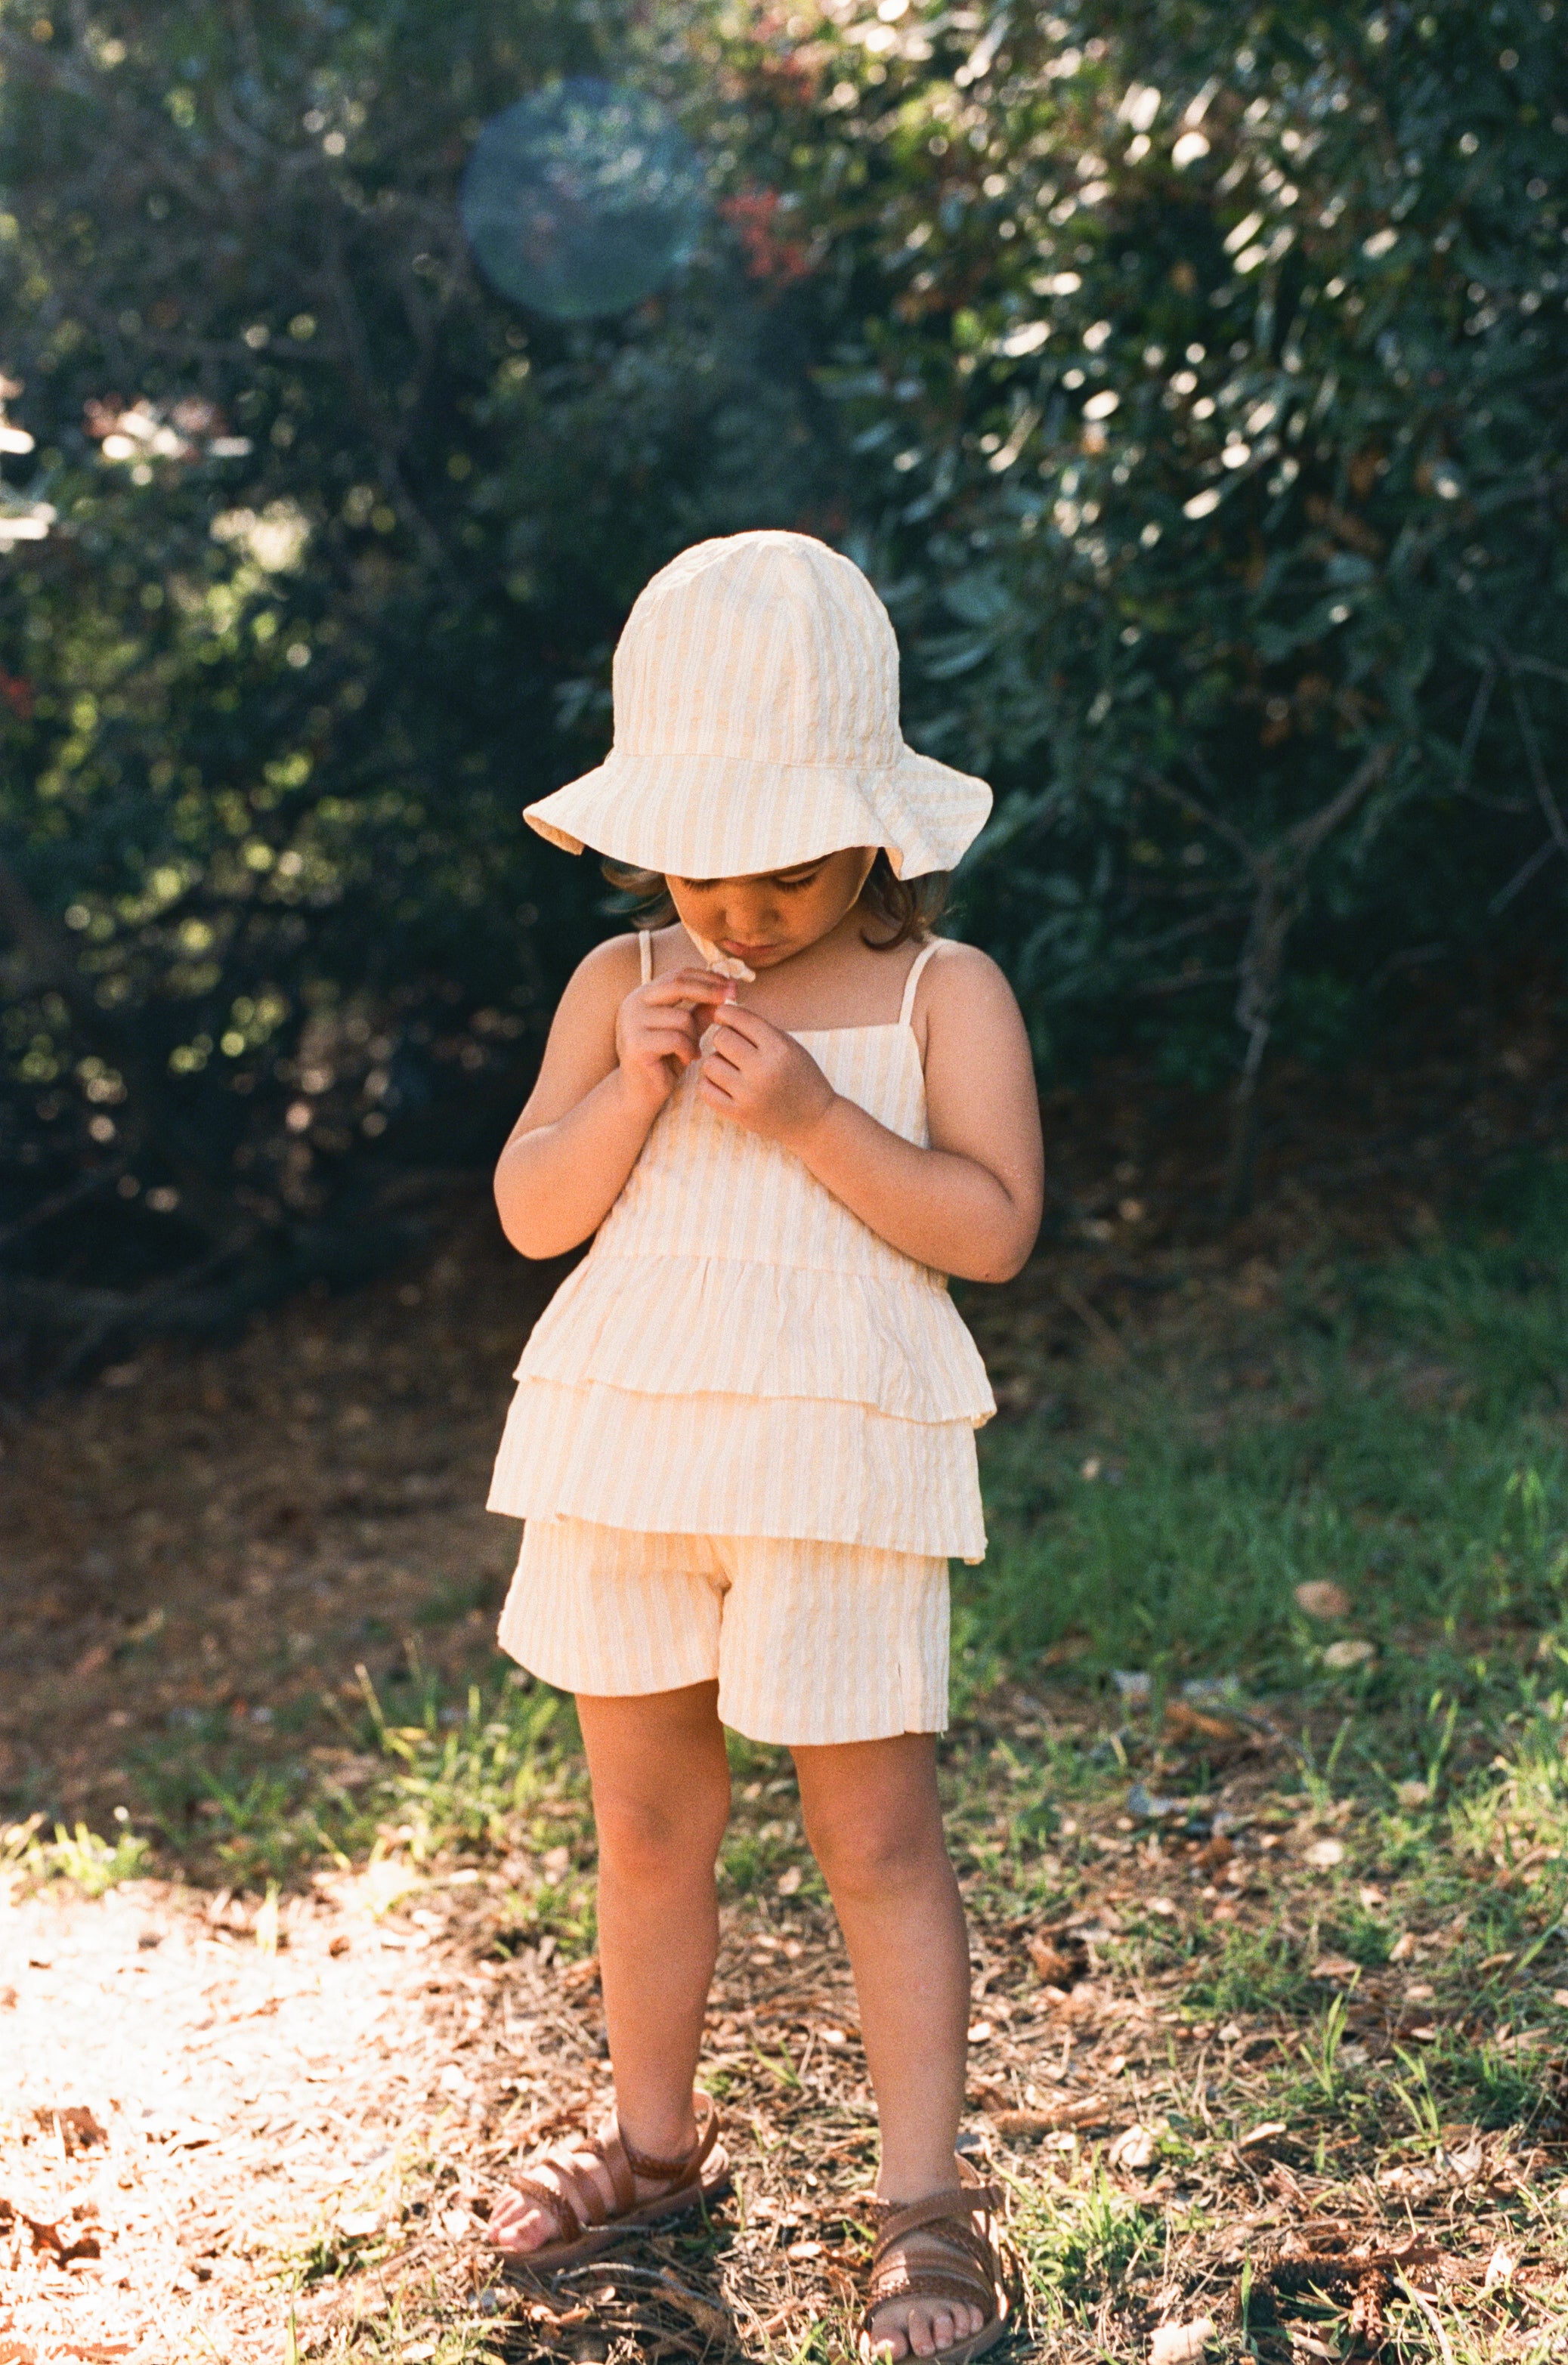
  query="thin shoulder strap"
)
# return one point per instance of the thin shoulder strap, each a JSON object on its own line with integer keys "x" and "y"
{"x": 645, "y": 941}
{"x": 913, "y": 980}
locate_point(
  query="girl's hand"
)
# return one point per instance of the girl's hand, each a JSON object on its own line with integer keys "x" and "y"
{"x": 760, "y": 1077}
{"x": 657, "y": 1030}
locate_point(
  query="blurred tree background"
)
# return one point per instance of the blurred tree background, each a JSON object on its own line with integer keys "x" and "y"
{"x": 1191, "y": 382}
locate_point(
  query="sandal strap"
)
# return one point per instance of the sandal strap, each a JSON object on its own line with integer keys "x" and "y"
{"x": 689, "y": 2167}
{"x": 960, "y": 2250}
{"x": 579, "y": 2204}
{"x": 611, "y": 2150}
{"x": 930, "y": 2283}
{"x": 564, "y": 2223}
{"x": 895, "y": 2219}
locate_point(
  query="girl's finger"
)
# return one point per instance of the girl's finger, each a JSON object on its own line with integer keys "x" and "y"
{"x": 678, "y": 1015}
{"x": 650, "y": 1054}
{"x": 659, "y": 1040}
{"x": 753, "y": 1030}
{"x": 687, "y": 985}
{"x": 664, "y": 1030}
{"x": 740, "y": 1044}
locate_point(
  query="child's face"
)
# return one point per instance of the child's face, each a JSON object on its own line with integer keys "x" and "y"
{"x": 768, "y": 917}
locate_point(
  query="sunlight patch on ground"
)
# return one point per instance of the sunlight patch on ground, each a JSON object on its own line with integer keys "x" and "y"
{"x": 186, "y": 2104}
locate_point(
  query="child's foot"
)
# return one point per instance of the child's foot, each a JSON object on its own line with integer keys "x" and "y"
{"x": 937, "y": 2287}
{"x": 919, "y": 2327}
{"x": 571, "y": 2200}
{"x": 579, "y": 2174}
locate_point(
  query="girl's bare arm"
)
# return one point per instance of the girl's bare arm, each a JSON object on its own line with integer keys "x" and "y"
{"x": 615, "y": 1053}
{"x": 969, "y": 1204}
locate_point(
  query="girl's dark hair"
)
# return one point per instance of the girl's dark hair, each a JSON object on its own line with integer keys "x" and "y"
{"x": 909, "y": 908}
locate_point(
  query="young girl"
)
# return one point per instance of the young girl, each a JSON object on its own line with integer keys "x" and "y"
{"x": 742, "y": 1440}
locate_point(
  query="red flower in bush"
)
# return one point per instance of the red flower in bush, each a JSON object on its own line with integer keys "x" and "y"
{"x": 755, "y": 215}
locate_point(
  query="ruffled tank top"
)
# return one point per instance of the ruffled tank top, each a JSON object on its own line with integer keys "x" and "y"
{"x": 739, "y": 1354}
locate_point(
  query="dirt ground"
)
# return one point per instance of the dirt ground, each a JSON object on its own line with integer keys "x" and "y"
{"x": 239, "y": 1528}
{"x": 275, "y": 2133}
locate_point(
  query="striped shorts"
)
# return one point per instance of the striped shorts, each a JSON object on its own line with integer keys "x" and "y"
{"x": 810, "y": 1644}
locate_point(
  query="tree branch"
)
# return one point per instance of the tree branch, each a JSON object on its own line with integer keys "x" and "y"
{"x": 1233, "y": 837}
{"x": 1479, "y": 705}
{"x": 53, "y": 962}
{"x": 1542, "y": 785}
{"x": 1522, "y": 876}
{"x": 1307, "y": 836}
{"x": 1281, "y": 888}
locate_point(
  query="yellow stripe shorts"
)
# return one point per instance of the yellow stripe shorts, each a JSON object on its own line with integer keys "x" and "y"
{"x": 810, "y": 1643}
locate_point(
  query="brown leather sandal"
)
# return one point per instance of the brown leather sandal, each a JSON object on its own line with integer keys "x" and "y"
{"x": 585, "y": 2225}
{"x": 966, "y": 2268}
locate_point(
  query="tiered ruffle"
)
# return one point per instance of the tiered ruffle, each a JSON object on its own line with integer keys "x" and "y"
{"x": 715, "y": 1463}
{"x": 682, "y": 1326}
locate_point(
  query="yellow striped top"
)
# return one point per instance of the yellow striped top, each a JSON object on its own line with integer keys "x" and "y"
{"x": 740, "y": 1354}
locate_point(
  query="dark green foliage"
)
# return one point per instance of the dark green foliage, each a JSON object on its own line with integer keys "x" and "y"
{"x": 1213, "y": 392}
{"x": 1219, "y": 502}
{"x": 325, "y": 611}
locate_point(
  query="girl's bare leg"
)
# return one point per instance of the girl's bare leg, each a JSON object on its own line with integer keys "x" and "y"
{"x": 661, "y": 1799}
{"x": 875, "y": 1823}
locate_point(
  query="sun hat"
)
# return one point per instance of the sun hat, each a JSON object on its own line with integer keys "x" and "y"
{"x": 757, "y": 725}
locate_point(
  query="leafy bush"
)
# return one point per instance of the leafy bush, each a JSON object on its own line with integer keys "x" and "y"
{"x": 1205, "y": 382}
{"x": 1189, "y": 383}
{"x": 342, "y": 542}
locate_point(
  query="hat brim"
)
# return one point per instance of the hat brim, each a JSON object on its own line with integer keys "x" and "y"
{"x": 732, "y": 817}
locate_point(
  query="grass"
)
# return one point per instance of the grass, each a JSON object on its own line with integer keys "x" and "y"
{"x": 1397, "y": 1985}
{"x": 431, "y": 1777}
{"x": 1094, "y": 2238}
{"x": 78, "y": 1856}
{"x": 1397, "y": 1434}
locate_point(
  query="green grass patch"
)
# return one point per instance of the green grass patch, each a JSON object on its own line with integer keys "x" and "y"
{"x": 78, "y": 1856}
{"x": 1247, "y": 1972}
{"x": 438, "y": 1778}
{"x": 1082, "y": 2244}
{"x": 1408, "y": 1450}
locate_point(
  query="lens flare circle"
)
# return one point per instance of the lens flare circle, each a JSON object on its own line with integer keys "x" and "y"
{"x": 582, "y": 199}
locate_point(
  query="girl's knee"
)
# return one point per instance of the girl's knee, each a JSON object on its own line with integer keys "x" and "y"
{"x": 874, "y": 1855}
{"x": 656, "y": 1840}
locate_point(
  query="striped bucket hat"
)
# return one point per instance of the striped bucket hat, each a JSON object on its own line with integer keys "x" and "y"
{"x": 757, "y": 725}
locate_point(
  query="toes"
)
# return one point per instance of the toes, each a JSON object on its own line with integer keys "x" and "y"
{"x": 925, "y": 2332}
{"x": 515, "y": 2233}
{"x": 932, "y": 2329}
